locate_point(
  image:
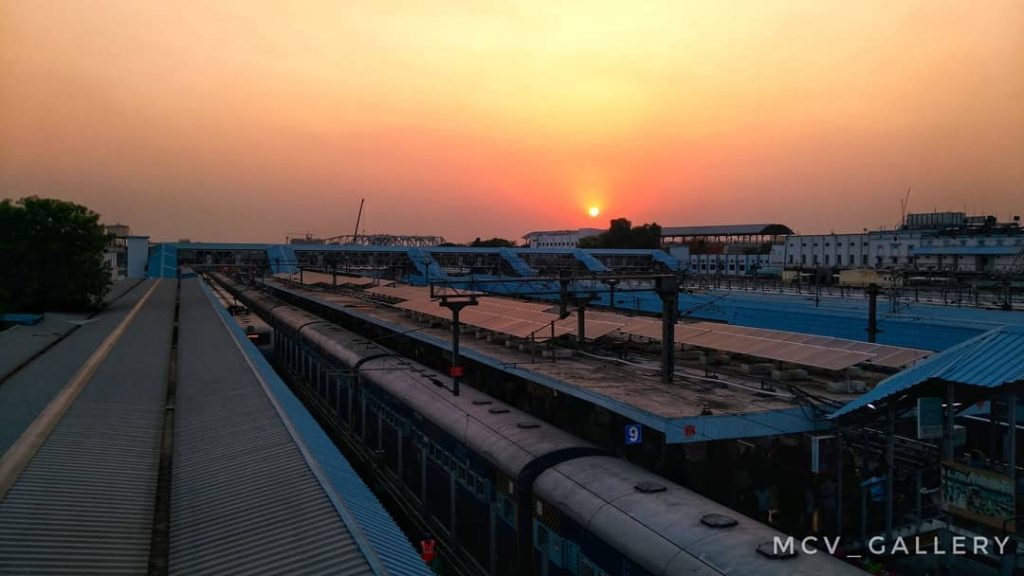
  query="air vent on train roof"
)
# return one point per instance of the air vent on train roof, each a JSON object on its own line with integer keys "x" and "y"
{"x": 771, "y": 550}
{"x": 481, "y": 402}
{"x": 718, "y": 520}
{"x": 649, "y": 487}
{"x": 527, "y": 425}
{"x": 498, "y": 410}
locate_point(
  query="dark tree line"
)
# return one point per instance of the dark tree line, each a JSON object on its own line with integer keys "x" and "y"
{"x": 51, "y": 256}
{"x": 622, "y": 234}
{"x": 492, "y": 243}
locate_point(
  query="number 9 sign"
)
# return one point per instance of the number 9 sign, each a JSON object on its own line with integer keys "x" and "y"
{"x": 634, "y": 434}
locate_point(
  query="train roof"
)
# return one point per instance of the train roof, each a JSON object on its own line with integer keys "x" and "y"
{"x": 661, "y": 523}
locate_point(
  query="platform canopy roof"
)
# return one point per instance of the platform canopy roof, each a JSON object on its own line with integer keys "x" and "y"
{"x": 509, "y": 317}
{"x": 728, "y": 230}
{"x": 795, "y": 348}
{"x": 881, "y": 354}
{"x": 992, "y": 360}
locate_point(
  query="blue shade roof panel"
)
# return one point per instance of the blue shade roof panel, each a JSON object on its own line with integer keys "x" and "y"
{"x": 992, "y": 360}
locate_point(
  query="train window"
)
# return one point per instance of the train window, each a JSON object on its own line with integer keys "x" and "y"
{"x": 540, "y": 537}
{"x": 508, "y": 510}
{"x": 571, "y": 556}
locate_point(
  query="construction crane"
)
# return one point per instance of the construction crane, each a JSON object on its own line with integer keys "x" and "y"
{"x": 904, "y": 202}
{"x": 359, "y": 217}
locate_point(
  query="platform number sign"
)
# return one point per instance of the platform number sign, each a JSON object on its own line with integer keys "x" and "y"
{"x": 634, "y": 434}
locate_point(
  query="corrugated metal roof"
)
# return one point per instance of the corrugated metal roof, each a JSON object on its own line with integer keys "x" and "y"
{"x": 994, "y": 359}
{"x": 243, "y": 498}
{"x": 372, "y": 529}
{"x": 84, "y": 503}
{"x": 727, "y": 230}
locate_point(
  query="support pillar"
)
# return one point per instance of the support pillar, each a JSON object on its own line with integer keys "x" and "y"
{"x": 890, "y": 470}
{"x": 839, "y": 483}
{"x": 1009, "y": 561}
{"x": 581, "y": 326}
{"x": 872, "y": 312}
{"x": 948, "y": 432}
{"x": 668, "y": 290}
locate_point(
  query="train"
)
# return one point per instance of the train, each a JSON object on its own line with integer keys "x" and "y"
{"x": 510, "y": 492}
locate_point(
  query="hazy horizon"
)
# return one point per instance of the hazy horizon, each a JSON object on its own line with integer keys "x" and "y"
{"x": 259, "y": 121}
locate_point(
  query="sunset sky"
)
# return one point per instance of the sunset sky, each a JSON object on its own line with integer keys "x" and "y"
{"x": 251, "y": 121}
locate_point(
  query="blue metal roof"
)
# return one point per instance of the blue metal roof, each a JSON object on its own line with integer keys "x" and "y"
{"x": 966, "y": 250}
{"x": 22, "y": 319}
{"x": 163, "y": 261}
{"x": 992, "y": 360}
{"x": 588, "y": 260}
{"x": 215, "y": 245}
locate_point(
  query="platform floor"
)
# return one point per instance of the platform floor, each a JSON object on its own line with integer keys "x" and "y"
{"x": 738, "y": 407}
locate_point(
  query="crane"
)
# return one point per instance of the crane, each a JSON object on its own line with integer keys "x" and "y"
{"x": 904, "y": 202}
{"x": 359, "y": 217}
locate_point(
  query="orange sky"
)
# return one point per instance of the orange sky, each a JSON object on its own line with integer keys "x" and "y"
{"x": 477, "y": 118}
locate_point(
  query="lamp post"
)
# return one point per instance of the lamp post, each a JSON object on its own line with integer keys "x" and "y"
{"x": 456, "y": 304}
{"x": 612, "y": 283}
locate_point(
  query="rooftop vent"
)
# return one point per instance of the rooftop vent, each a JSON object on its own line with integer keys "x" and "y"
{"x": 774, "y": 552}
{"x": 527, "y": 425}
{"x": 498, "y": 410}
{"x": 649, "y": 487}
{"x": 718, "y": 520}
{"x": 481, "y": 402}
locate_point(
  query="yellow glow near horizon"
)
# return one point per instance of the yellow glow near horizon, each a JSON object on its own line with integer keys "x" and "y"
{"x": 245, "y": 120}
{"x": 594, "y": 211}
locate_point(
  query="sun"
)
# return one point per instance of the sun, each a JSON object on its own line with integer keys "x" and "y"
{"x": 594, "y": 211}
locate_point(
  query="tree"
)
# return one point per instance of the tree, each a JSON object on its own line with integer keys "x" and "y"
{"x": 51, "y": 255}
{"x": 492, "y": 243}
{"x": 622, "y": 234}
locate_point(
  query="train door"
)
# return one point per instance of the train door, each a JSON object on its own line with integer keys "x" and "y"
{"x": 473, "y": 523}
{"x": 412, "y": 461}
{"x": 439, "y": 496}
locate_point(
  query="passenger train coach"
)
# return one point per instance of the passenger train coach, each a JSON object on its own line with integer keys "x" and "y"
{"x": 513, "y": 493}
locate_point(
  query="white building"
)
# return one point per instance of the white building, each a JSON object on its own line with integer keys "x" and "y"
{"x": 979, "y": 244}
{"x": 878, "y": 250}
{"x": 127, "y": 255}
{"x": 559, "y": 238}
{"x": 935, "y": 241}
